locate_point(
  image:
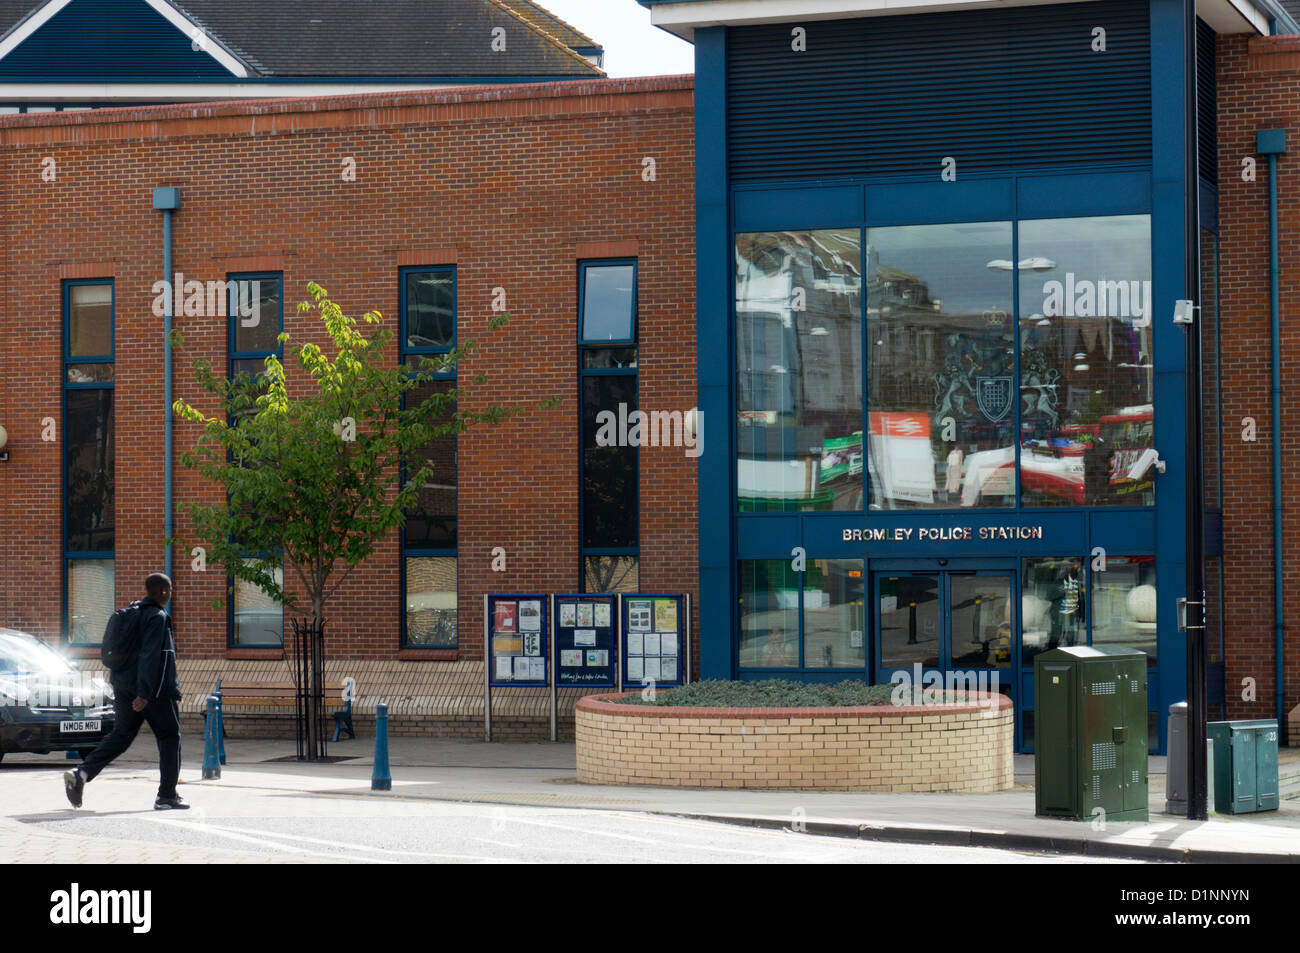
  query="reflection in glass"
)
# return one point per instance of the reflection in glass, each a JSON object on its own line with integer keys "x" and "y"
{"x": 610, "y": 574}
{"x": 90, "y": 320}
{"x": 833, "y": 614}
{"x": 942, "y": 366}
{"x": 1124, "y": 604}
{"x": 431, "y": 601}
{"x": 89, "y": 452}
{"x": 90, "y": 374}
{"x": 259, "y": 619}
{"x": 1085, "y": 361}
{"x": 769, "y": 614}
{"x": 909, "y": 620}
{"x": 256, "y": 314}
{"x": 608, "y": 303}
{"x": 980, "y": 621}
{"x": 90, "y": 599}
{"x": 1052, "y": 606}
{"x": 799, "y": 370}
{"x": 430, "y": 309}
{"x": 609, "y": 471}
{"x": 431, "y": 522}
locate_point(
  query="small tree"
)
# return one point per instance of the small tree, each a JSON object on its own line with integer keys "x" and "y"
{"x": 313, "y": 478}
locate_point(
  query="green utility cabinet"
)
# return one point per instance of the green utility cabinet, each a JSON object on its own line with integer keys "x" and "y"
{"x": 1245, "y": 765}
{"x": 1090, "y": 727}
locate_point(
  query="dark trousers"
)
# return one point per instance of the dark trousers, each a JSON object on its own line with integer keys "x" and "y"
{"x": 165, "y": 722}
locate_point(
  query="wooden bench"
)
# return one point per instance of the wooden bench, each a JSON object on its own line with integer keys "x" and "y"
{"x": 285, "y": 695}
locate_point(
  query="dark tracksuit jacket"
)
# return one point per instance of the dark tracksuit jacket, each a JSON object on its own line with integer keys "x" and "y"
{"x": 153, "y": 679}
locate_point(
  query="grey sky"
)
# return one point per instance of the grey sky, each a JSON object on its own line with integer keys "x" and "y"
{"x": 632, "y": 46}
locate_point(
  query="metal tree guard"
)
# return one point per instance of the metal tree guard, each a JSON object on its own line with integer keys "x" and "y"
{"x": 308, "y": 668}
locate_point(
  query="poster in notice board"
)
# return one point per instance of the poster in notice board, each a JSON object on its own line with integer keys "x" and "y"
{"x": 653, "y": 647}
{"x": 586, "y": 640}
{"x": 517, "y": 640}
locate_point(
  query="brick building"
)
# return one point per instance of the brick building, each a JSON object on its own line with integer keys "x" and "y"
{"x": 541, "y": 191}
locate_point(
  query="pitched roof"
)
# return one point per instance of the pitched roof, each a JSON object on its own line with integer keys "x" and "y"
{"x": 376, "y": 38}
{"x": 571, "y": 37}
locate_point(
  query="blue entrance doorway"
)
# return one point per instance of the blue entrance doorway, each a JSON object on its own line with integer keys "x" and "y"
{"x": 956, "y": 619}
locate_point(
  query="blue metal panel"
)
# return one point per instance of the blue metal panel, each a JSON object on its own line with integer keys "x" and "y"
{"x": 109, "y": 41}
{"x": 1099, "y": 193}
{"x": 966, "y": 200}
{"x": 1168, "y": 250}
{"x": 1123, "y": 532}
{"x": 988, "y": 533}
{"x": 713, "y": 299}
{"x": 770, "y": 536}
{"x": 769, "y": 210}
{"x": 1017, "y": 88}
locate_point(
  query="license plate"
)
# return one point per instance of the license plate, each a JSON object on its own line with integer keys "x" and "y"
{"x": 71, "y": 726}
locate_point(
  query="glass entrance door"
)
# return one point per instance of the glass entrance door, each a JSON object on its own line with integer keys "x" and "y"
{"x": 946, "y": 620}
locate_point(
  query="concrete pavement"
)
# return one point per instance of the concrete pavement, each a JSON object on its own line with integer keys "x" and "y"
{"x": 542, "y": 776}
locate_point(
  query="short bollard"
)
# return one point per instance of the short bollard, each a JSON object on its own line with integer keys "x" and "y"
{"x": 73, "y": 755}
{"x": 380, "y": 779}
{"x": 221, "y": 726}
{"x": 211, "y": 730}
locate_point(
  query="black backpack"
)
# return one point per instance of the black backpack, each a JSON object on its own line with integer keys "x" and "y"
{"x": 120, "y": 648}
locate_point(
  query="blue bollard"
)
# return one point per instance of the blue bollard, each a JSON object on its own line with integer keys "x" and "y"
{"x": 380, "y": 779}
{"x": 211, "y": 767}
{"x": 221, "y": 725}
{"x": 73, "y": 755}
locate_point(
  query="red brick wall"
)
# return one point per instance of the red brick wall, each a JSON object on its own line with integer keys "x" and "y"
{"x": 1259, "y": 88}
{"x": 511, "y": 181}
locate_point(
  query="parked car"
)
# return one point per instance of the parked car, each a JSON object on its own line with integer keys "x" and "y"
{"x": 46, "y": 703}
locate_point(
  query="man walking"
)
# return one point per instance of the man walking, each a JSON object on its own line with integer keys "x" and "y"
{"x": 146, "y": 691}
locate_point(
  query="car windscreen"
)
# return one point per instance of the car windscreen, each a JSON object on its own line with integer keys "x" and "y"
{"x": 28, "y": 654}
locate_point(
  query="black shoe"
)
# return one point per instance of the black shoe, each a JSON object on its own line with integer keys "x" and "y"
{"x": 73, "y": 785}
{"x": 170, "y": 804}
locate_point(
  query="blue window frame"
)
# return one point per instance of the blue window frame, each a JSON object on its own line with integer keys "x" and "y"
{"x": 255, "y": 319}
{"x": 89, "y": 451}
{"x": 609, "y": 474}
{"x": 429, "y": 543}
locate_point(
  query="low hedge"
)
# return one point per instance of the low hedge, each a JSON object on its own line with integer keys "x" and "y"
{"x": 769, "y": 693}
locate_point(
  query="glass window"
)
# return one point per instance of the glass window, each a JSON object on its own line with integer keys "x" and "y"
{"x": 1052, "y": 606}
{"x": 258, "y": 619}
{"x": 909, "y": 620}
{"x": 90, "y": 320}
{"x": 89, "y": 448}
{"x": 431, "y": 522}
{"x": 431, "y": 602}
{"x": 979, "y": 621}
{"x": 799, "y": 370}
{"x": 833, "y": 610}
{"x": 430, "y": 316}
{"x": 942, "y": 366}
{"x": 256, "y": 314}
{"x": 1124, "y": 604}
{"x": 608, "y": 303}
{"x": 611, "y": 574}
{"x": 91, "y": 597}
{"x": 1085, "y": 361}
{"x": 769, "y": 614}
{"x": 609, "y": 471}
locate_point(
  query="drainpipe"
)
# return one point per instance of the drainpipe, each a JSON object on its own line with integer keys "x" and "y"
{"x": 1272, "y": 143}
{"x": 167, "y": 201}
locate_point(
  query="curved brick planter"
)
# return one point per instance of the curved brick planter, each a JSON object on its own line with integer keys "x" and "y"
{"x": 963, "y": 746}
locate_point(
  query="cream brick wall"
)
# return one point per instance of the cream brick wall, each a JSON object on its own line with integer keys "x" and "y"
{"x": 862, "y": 749}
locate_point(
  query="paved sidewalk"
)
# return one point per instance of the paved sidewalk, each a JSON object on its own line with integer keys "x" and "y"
{"x": 543, "y": 775}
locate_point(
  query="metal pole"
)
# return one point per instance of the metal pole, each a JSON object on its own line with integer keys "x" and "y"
{"x": 686, "y": 635}
{"x": 618, "y": 641}
{"x": 1197, "y": 807}
{"x": 553, "y": 673}
{"x": 487, "y": 673}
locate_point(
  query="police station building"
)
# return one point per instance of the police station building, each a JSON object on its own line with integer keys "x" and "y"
{"x": 943, "y": 244}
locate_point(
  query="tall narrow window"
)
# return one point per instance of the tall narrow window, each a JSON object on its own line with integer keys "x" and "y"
{"x": 430, "y": 536}
{"x": 89, "y": 474}
{"x": 607, "y": 370}
{"x": 256, "y": 317}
